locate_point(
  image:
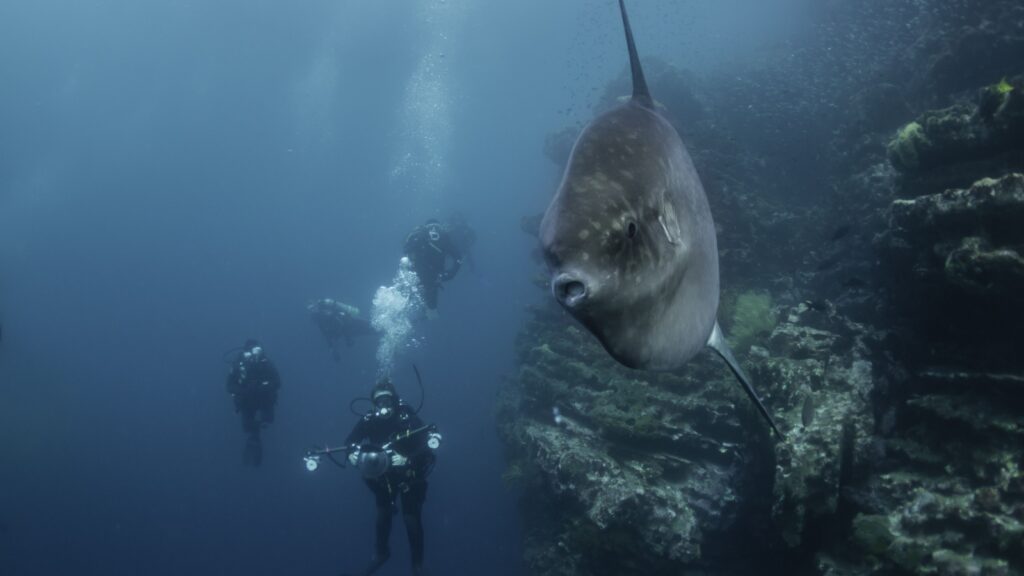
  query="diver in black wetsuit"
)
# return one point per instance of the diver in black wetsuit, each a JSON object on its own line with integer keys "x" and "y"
{"x": 338, "y": 322}
{"x": 403, "y": 473}
{"x": 253, "y": 384}
{"x": 435, "y": 257}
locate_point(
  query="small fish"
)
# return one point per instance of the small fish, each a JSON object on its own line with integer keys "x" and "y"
{"x": 807, "y": 413}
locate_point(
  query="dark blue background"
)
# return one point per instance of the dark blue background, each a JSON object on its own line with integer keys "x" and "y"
{"x": 179, "y": 176}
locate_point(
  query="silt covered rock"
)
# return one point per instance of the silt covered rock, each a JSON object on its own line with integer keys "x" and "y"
{"x": 954, "y": 146}
{"x": 655, "y": 473}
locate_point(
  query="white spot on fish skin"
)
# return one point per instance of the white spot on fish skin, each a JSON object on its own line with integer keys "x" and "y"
{"x": 584, "y": 234}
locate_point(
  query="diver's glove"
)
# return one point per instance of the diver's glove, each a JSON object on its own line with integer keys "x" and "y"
{"x": 353, "y": 456}
{"x": 397, "y": 460}
{"x": 434, "y": 441}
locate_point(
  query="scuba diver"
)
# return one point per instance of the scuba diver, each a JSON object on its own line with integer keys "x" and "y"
{"x": 394, "y": 450}
{"x": 431, "y": 248}
{"x": 253, "y": 384}
{"x": 338, "y": 321}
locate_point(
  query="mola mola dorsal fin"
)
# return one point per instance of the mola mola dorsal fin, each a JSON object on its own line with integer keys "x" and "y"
{"x": 641, "y": 95}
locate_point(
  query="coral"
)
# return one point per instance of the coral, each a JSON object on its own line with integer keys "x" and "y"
{"x": 961, "y": 143}
{"x": 903, "y": 148}
{"x": 902, "y": 449}
{"x": 515, "y": 473}
{"x": 660, "y": 473}
{"x": 962, "y": 243}
{"x": 946, "y": 488}
{"x": 977, "y": 267}
{"x": 986, "y": 203}
{"x": 752, "y": 317}
{"x": 873, "y": 533}
{"x": 638, "y": 469}
{"x": 959, "y": 251}
{"x": 822, "y": 370}
{"x": 937, "y": 523}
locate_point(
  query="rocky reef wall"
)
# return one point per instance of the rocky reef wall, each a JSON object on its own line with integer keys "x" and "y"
{"x": 947, "y": 496}
{"x": 881, "y": 326}
{"x": 629, "y": 472}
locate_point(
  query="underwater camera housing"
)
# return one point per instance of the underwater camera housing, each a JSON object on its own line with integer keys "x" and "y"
{"x": 374, "y": 461}
{"x": 370, "y": 461}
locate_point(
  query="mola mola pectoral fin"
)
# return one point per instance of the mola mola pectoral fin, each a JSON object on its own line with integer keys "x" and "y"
{"x": 718, "y": 343}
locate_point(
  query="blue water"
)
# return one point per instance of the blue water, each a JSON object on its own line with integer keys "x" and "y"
{"x": 176, "y": 177}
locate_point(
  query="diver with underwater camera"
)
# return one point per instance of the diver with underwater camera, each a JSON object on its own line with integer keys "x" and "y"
{"x": 394, "y": 451}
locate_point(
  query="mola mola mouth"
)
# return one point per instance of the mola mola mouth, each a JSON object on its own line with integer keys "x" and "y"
{"x": 630, "y": 240}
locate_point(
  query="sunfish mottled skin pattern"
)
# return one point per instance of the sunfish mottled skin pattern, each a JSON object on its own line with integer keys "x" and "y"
{"x": 632, "y": 224}
{"x": 630, "y": 240}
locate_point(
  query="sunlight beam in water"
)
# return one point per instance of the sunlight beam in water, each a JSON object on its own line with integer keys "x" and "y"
{"x": 420, "y": 162}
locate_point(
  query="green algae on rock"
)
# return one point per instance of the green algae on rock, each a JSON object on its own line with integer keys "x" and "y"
{"x": 903, "y": 149}
{"x": 752, "y": 317}
{"x": 676, "y": 466}
{"x": 964, "y": 142}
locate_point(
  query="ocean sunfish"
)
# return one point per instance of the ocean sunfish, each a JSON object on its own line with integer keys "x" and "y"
{"x": 630, "y": 241}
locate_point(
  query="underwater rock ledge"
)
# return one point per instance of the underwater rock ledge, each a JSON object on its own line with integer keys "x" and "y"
{"x": 955, "y": 146}
{"x": 963, "y": 238}
{"x": 628, "y": 472}
{"x": 905, "y": 444}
